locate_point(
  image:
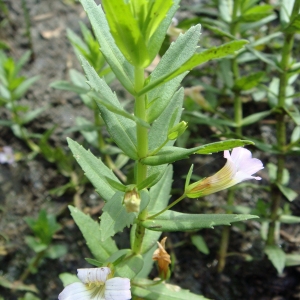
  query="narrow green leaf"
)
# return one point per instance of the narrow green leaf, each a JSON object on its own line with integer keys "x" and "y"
{"x": 67, "y": 86}
{"x": 255, "y": 117}
{"x": 90, "y": 230}
{"x": 256, "y": 13}
{"x": 115, "y": 217}
{"x": 20, "y": 91}
{"x": 158, "y": 133}
{"x": 199, "y": 242}
{"x": 277, "y": 257}
{"x": 120, "y": 128}
{"x": 288, "y": 219}
{"x": 129, "y": 268}
{"x": 32, "y": 114}
{"x": 287, "y": 192}
{"x": 178, "y": 53}
{"x": 160, "y": 97}
{"x": 195, "y": 60}
{"x": 116, "y": 185}
{"x": 171, "y": 154}
{"x": 95, "y": 170}
{"x": 248, "y": 82}
{"x": 292, "y": 259}
{"x": 126, "y": 32}
{"x": 294, "y": 25}
{"x": 175, "y": 221}
{"x": 188, "y": 177}
{"x": 158, "y": 36}
{"x": 122, "y": 68}
{"x": 150, "y": 290}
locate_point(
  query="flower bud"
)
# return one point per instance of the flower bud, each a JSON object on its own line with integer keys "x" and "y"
{"x": 177, "y": 130}
{"x": 132, "y": 201}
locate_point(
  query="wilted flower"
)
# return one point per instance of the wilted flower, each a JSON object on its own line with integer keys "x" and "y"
{"x": 7, "y": 155}
{"x": 239, "y": 167}
{"x": 163, "y": 259}
{"x": 132, "y": 201}
{"x": 97, "y": 284}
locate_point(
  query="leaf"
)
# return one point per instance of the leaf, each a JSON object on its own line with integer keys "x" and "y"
{"x": 256, "y": 13}
{"x": 248, "y": 82}
{"x": 160, "y": 97}
{"x": 255, "y": 117}
{"x": 150, "y": 290}
{"x": 24, "y": 86}
{"x": 125, "y": 29}
{"x": 292, "y": 259}
{"x": 158, "y": 133}
{"x": 159, "y": 35}
{"x": 129, "y": 268}
{"x": 17, "y": 285}
{"x": 123, "y": 70}
{"x": 56, "y": 251}
{"x": 200, "y": 244}
{"x": 171, "y": 154}
{"x": 287, "y": 192}
{"x": 95, "y": 170}
{"x": 175, "y": 221}
{"x": 120, "y": 128}
{"x": 67, "y": 86}
{"x": 287, "y": 219}
{"x": 32, "y": 114}
{"x": 90, "y": 230}
{"x": 195, "y": 60}
{"x": 294, "y": 25}
{"x": 115, "y": 217}
{"x": 277, "y": 257}
{"x": 68, "y": 278}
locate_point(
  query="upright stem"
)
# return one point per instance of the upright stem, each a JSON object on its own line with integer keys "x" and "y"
{"x": 142, "y": 151}
{"x": 281, "y": 128}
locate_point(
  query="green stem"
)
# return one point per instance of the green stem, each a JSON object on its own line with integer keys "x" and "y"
{"x": 168, "y": 207}
{"x": 142, "y": 151}
{"x": 142, "y": 132}
{"x": 33, "y": 265}
{"x": 281, "y": 128}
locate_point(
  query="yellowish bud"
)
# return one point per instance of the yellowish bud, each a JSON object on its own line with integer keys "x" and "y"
{"x": 132, "y": 201}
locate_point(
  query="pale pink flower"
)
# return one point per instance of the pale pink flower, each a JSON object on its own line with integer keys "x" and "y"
{"x": 97, "y": 284}
{"x": 240, "y": 166}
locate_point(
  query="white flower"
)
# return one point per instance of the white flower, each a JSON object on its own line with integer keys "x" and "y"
{"x": 96, "y": 284}
{"x": 7, "y": 155}
{"x": 239, "y": 167}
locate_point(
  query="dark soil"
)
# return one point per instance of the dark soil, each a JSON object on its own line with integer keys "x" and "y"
{"x": 25, "y": 186}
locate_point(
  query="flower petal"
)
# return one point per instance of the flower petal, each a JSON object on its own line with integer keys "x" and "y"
{"x": 93, "y": 275}
{"x": 117, "y": 288}
{"x": 75, "y": 291}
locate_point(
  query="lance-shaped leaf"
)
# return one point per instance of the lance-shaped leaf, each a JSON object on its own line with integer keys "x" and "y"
{"x": 171, "y": 154}
{"x": 95, "y": 170}
{"x": 178, "y": 53}
{"x": 91, "y": 233}
{"x": 159, "y": 130}
{"x": 120, "y": 128}
{"x": 130, "y": 267}
{"x": 115, "y": 217}
{"x": 120, "y": 66}
{"x": 158, "y": 36}
{"x": 175, "y": 221}
{"x": 148, "y": 289}
{"x": 160, "y": 97}
{"x": 195, "y": 60}
{"x": 126, "y": 32}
